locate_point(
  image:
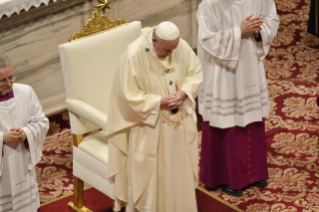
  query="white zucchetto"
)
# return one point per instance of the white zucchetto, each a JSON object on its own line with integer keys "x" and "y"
{"x": 167, "y": 31}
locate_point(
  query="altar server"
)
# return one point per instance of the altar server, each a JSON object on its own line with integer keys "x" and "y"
{"x": 23, "y": 127}
{"x": 234, "y": 37}
{"x": 152, "y": 124}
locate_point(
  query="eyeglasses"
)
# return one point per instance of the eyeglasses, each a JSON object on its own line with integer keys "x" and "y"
{"x": 4, "y": 81}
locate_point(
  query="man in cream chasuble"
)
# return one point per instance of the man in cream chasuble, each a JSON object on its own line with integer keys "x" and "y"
{"x": 152, "y": 124}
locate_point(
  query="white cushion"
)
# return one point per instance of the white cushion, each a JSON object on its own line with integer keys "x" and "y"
{"x": 90, "y": 162}
{"x": 97, "y": 146}
{"x": 88, "y": 175}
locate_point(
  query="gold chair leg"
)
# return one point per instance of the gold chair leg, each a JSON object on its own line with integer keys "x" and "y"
{"x": 77, "y": 205}
{"x": 78, "y": 192}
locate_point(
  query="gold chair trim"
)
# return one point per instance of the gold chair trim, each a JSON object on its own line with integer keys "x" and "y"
{"x": 95, "y": 25}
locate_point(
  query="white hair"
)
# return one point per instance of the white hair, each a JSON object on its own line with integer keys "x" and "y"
{"x": 4, "y": 61}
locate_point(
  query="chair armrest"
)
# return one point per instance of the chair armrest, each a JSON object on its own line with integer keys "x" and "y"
{"x": 88, "y": 112}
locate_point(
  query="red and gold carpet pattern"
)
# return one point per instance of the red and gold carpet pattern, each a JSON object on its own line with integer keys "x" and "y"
{"x": 293, "y": 106}
{"x": 294, "y": 52}
{"x": 54, "y": 171}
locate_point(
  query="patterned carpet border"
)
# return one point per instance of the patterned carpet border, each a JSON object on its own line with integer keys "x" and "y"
{"x": 219, "y": 199}
{"x": 62, "y": 197}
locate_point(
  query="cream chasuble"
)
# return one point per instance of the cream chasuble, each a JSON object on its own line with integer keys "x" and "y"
{"x": 234, "y": 91}
{"x": 153, "y": 152}
{"x": 18, "y": 180}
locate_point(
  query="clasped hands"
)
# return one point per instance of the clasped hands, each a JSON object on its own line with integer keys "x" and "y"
{"x": 16, "y": 136}
{"x": 251, "y": 25}
{"x": 173, "y": 100}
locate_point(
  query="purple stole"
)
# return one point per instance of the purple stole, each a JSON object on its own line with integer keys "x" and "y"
{"x": 6, "y": 97}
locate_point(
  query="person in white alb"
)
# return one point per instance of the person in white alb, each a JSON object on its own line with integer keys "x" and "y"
{"x": 234, "y": 37}
{"x": 23, "y": 127}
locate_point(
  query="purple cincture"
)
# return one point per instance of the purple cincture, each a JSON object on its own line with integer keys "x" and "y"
{"x": 9, "y": 95}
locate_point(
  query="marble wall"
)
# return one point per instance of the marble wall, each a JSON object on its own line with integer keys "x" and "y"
{"x": 33, "y": 47}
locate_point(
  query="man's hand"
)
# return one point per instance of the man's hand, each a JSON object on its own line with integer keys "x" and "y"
{"x": 165, "y": 101}
{"x": 173, "y": 100}
{"x": 251, "y": 25}
{"x": 16, "y": 136}
{"x": 177, "y": 99}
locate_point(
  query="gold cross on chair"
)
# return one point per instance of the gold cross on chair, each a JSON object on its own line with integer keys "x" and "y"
{"x": 104, "y": 5}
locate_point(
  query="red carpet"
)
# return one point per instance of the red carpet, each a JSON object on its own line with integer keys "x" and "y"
{"x": 93, "y": 199}
{"x": 98, "y": 202}
{"x": 293, "y": 106}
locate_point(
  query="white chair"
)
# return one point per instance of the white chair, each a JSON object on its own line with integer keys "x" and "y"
{"x": 89, "y": 65}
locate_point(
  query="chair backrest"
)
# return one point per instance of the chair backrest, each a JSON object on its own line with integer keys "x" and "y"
{"x": 89, "y": 64}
